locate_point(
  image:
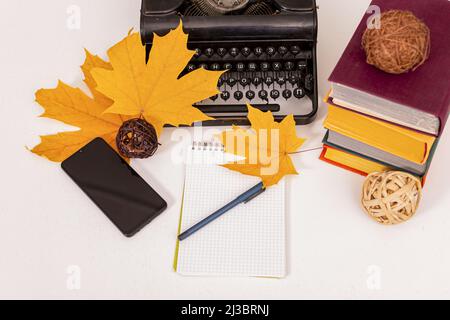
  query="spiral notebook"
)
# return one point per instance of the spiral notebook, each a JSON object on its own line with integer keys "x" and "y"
{"x": 249, "y": 240}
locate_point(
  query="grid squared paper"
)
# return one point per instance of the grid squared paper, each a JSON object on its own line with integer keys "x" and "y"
{"x": 249, "y": 240}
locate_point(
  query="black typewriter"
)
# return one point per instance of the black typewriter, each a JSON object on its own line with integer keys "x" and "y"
{"x": 268, "y": 46}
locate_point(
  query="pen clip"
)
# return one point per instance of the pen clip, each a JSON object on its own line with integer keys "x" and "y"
{"x": 255, "y": 195}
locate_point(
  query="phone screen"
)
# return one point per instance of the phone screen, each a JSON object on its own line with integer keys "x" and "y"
{"x": 125, "y": 198}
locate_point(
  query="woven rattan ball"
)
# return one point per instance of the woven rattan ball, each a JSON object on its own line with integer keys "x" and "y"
{"x": 391, "y": 197}
{"x": 137, "y": 139}
{"x": 402, "y": 42}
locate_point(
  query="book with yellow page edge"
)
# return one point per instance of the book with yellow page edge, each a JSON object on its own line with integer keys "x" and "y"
{"x": 408, "y": 144}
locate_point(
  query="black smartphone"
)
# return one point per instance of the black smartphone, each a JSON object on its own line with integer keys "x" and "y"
{"x": 125, "y": 198}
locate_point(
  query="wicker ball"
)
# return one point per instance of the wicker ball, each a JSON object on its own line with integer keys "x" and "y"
{"x": 137, "y": 139}
{"x": 401, "y": 44}
{"x": 391, "y": 197}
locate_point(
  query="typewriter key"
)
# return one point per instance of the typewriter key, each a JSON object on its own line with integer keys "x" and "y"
{"x": 250, "y": 95}
{"x": 191, "y": 67}
{"x": 246, "y": 51}
{"x": 270, "y": 51}
{"x": 294, "y": 79}
{"x": 204, "y": 66}
{"x": 215, "y": 66}
{"x": 281, "y": 80}
{"x": 288, "y": 66}
{"x": 214, "y": 98}
{"x": 198, "y": 52}
{"x": 257, "y": 81}
{"x": 234, "y": 52}
{"x": 263, "y": 94}
{"x": 225, "y": 95}
{"x": 295, "y": 50}
{"x": 238, "y": 95}
{"x": 275, "y": 94}
{"x": 209, "y": 52}
{"x": 299, "y": 93}
{"x": 231, "y": 81}
{"x": 282, "y": 50}
{"x": 268, "y": 81}
{"x": 228, "y": 66}
{"x": 265, "y": 66}
{"x": 221, "y": 52}
{"x": 287, "y": 94}
{"x": 240, "y": 67}
{"x": 244, "y": 81}
{"x": 252, "y": 67}
{"x": 258, "y": 51}
{"x": 301, "y": 65}
{"x": 276, "y": 66}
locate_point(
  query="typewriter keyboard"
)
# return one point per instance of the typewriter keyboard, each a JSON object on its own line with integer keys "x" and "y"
{"x": 269, "y": 77}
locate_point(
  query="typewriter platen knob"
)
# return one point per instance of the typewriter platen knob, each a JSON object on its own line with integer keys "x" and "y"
{"x": 246, "y": 51}
{"x": 209, "y": 52}
{"x": 258, "y": 51}
{"x": 287, "y": 94}
{"x": 234, "y": 52}
{"x": 222, "y": 52}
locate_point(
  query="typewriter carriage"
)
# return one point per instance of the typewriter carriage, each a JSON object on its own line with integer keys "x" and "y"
{"x": 288, "y": 24}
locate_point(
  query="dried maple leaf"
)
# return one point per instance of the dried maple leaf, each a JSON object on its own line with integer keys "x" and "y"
{"x": 73, "y": 107}
{"x": 266, "y": 147}
{"x": 154, "y": 89}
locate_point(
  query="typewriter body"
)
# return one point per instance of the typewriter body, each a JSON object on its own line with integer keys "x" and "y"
{"x": 268, "y": 46}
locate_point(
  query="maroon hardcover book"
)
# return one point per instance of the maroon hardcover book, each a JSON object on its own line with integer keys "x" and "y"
{"x": 428, "y": 87}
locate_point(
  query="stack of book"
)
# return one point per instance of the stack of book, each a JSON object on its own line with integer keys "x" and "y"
{"x": 379, "y": 121}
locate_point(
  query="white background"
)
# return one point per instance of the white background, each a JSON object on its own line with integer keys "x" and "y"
{"x": 47, "y": 224}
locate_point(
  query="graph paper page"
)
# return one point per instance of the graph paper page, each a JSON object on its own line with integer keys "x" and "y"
{"x": 249, "y": 240}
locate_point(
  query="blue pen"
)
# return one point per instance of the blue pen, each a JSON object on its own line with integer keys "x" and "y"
{"x": 244, "y": 198}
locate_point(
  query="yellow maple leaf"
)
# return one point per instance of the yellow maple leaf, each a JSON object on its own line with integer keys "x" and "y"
{"x": 154, "y": 89}
{"x": 265, "y": 148}
{"x": 73, "y": 107}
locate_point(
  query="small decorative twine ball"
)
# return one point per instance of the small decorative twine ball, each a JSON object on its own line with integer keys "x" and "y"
{"x": 391, "y": 197}
{"x": 401, "y": 44}
{"x": 137, "y": 139}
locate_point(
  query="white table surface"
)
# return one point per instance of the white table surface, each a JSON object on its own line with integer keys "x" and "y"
{"x": 47, "y": 225}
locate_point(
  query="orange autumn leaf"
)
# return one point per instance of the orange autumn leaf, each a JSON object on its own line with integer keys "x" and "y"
{"x": 73, "y": 107}
{"x": 265, "y": 148}
{"x": 154, "y": 89}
